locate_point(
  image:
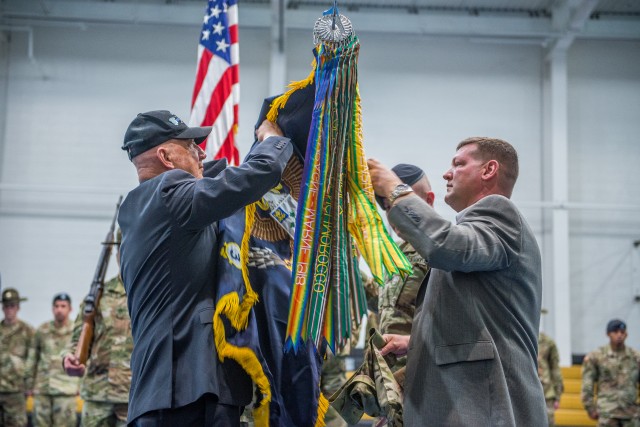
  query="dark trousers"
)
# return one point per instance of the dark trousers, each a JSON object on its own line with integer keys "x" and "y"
{"x": 204, "y": 412}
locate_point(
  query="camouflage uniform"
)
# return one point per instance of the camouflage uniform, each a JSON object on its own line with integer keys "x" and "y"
{"x": 549, "y": 374}
{"x": 334, "y": 375}
{"x": 396, "y": 304}
{"x": 616, "y": 375}
{"x": 397, "y": 300}
{"x": 371, "y": 290}
{"x": 334, "y": 372}
{"x": 15, "y": 341}
{"x": 105, "y": 386}
{"x": 372, "y": 389}
{"x": 54, "y": 391}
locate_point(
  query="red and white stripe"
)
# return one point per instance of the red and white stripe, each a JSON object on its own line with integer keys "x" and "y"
{"x": 216, "y": 95}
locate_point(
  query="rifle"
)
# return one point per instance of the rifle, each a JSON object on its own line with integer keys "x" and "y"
{"x": 92, "y": 300}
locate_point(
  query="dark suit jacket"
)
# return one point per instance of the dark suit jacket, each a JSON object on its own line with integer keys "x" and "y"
{"x": 473, "y": 350}
{"x": 168, "y": 256}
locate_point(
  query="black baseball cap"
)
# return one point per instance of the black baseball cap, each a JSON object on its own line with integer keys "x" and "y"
{"x": 153, "y": 128}
{"x": 616, "y": 325}
{"x": 409, "y": 174}
{"x": 62, "y": 296}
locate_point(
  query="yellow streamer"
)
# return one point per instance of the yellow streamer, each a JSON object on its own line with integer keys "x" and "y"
{"x": 365, "y": 224}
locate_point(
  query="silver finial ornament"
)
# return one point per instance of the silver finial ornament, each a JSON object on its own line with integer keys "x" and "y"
{"x": 332, "y": 27}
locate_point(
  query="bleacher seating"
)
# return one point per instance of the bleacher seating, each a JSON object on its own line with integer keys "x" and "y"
{"x": 571, "y": 412}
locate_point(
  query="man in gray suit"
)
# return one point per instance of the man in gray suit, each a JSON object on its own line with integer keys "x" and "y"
{"x": 473, "y": 347}
{"x": 168, "y": 261}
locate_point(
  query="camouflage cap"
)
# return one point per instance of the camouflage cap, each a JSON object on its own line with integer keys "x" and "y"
{"x": 11, "y": 295}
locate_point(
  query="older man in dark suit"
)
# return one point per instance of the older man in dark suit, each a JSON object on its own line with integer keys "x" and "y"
{"x": 168, "y": 261}
{"x": 473, "y": 347}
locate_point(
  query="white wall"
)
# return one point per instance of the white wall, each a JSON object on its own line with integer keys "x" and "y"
{"x": 4, "y": 82}
{"x": 604, "y": 149}
{"x": 66, "y": 118}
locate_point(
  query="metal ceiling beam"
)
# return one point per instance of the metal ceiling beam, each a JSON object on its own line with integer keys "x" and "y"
{"x": 572, "y": 17}
{"x": 258, "y": 16}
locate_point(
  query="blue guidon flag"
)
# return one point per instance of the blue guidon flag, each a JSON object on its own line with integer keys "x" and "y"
{"x": 253, "y": 277}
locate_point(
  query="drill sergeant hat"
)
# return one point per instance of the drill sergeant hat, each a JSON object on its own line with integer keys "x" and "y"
{"x": 11, "y": 295}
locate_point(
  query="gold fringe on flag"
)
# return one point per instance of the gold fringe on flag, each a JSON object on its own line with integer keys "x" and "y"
{"x": 238, "y": 314}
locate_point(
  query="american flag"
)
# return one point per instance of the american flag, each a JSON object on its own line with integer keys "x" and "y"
{"x": 216, "y": 92}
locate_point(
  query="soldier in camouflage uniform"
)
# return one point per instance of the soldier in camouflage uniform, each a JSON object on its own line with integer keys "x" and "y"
{"x": 550, "y": 374}
{"x": 334, "y": 371}
{"x": 610, "y": 379}
{"x": 333, "y": 376}
{"x": 105, "y": 386}
{"x": 397, "y": 299}
{"x": 15, "y": 340}
{"x": 54, "y": 392}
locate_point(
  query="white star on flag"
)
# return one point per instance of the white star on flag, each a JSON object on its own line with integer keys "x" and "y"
{"x": 222, "y": 45}
{"x": 218, "y": 28}
{"x": 215, "y": 12}
{"x": 205, "y": 34}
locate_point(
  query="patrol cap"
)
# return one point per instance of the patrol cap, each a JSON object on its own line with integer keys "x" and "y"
{"x": 62, "y": 296}
{"x": 409, "y": 174}
{"x": 616, "y": 325}
{"x": 153, "y": 128}
{"x": 11, "y": 295}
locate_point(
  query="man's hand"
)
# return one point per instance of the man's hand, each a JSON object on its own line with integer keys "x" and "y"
{"x": 396, "y": 344}
{"x": 72, "y": 366}
{"x": 593, "y": 414}
{"x": 556, "y": 404}
{"x": 268, "y": 129}
{"x": 382, "y": 178}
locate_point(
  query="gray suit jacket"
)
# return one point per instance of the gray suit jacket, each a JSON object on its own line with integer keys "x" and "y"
{"x": 473, "y": 350}
{"x": 168, "y": 263}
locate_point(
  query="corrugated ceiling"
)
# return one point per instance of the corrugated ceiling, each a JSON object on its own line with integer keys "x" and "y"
{"x": 533, "y": 8}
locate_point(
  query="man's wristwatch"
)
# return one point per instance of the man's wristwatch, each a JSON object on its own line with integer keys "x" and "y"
{"x": 400, "y": 190}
